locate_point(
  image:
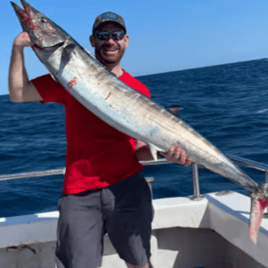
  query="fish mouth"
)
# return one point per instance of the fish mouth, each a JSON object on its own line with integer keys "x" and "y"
{"x": 26, "y": 16}
{"x": 42, "y": 31}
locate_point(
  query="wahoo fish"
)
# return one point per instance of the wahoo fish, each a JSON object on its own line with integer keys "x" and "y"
{"x": 125, "y": 109}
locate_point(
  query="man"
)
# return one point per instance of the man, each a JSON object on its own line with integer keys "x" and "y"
{"x": 103, "y": 191}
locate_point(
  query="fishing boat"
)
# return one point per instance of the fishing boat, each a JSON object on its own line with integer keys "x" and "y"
{"x": 209, "y": 230}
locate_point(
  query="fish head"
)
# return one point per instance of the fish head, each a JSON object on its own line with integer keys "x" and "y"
{"x": 43, "y": 32}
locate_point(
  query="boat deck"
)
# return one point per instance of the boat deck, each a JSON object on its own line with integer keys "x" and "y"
{"x": 212, "y": 232}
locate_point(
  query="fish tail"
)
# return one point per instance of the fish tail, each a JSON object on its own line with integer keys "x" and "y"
{"x": 258, "y": 204}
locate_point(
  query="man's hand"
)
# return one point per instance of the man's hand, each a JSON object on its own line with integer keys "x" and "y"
{"x": 177, "y": 155}
{"x": 23, "y": 40}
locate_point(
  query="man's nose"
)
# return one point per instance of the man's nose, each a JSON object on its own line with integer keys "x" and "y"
{"x": 110, "y": 40}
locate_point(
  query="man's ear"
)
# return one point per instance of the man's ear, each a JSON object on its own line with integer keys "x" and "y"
{"x": 92, "y": 40}
{"x": 126, "y": 39}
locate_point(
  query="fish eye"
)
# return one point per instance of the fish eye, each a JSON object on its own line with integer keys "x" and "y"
{"x": 43, "y": 20}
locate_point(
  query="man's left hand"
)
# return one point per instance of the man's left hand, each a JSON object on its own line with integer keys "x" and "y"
{"x": 177, "y": 155}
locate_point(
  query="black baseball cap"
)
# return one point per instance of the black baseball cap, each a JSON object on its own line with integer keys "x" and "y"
{"x": 108, "y": 17}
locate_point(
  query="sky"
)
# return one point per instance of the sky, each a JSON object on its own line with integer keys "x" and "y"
{"x": 167, "y": 35}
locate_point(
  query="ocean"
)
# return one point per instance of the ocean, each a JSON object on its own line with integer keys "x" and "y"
{"x": 228, "y": 104}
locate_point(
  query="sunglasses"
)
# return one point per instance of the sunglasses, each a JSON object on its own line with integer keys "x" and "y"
{"x": 103, "y": 35}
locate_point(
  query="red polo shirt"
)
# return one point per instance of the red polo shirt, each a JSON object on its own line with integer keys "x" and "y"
{"x": 97, "y": 155}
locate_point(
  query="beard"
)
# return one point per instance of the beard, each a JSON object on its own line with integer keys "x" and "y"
{"x": 109, "y": 54}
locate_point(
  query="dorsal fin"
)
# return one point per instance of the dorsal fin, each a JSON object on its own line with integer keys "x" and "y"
{"x": 174, "y": 110}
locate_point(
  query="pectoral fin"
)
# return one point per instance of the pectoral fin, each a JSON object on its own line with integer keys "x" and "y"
{"x": 66, "y": 55}
{"x": 154, "y": 149}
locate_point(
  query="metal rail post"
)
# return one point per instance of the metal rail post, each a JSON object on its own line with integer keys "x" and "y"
{"x": 196, "y": 196}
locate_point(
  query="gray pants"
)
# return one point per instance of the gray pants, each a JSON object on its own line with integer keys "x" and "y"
{"x": 123, "y": 210}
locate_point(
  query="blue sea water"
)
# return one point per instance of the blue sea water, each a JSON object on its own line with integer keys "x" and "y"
{"x": 228, "y": 104}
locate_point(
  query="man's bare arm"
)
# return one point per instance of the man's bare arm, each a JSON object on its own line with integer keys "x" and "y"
{"x": 20, "y": 88}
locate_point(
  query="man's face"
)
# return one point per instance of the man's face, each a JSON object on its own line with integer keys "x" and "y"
{"x": 109, "y": 51}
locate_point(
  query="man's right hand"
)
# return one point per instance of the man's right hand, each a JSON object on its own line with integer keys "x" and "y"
{"x": 23, "y": 40}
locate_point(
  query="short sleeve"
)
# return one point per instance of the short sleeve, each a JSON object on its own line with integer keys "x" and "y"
{"x": 134, "y": 83}
{"x": 49, "y": 89}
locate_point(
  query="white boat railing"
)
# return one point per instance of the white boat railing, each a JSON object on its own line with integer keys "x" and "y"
{"x": 61, "y": 171}
{"x": 196, "y": 189}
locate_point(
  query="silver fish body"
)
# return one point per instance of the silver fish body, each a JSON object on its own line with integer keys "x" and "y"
{"x": 131, "y": 112}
